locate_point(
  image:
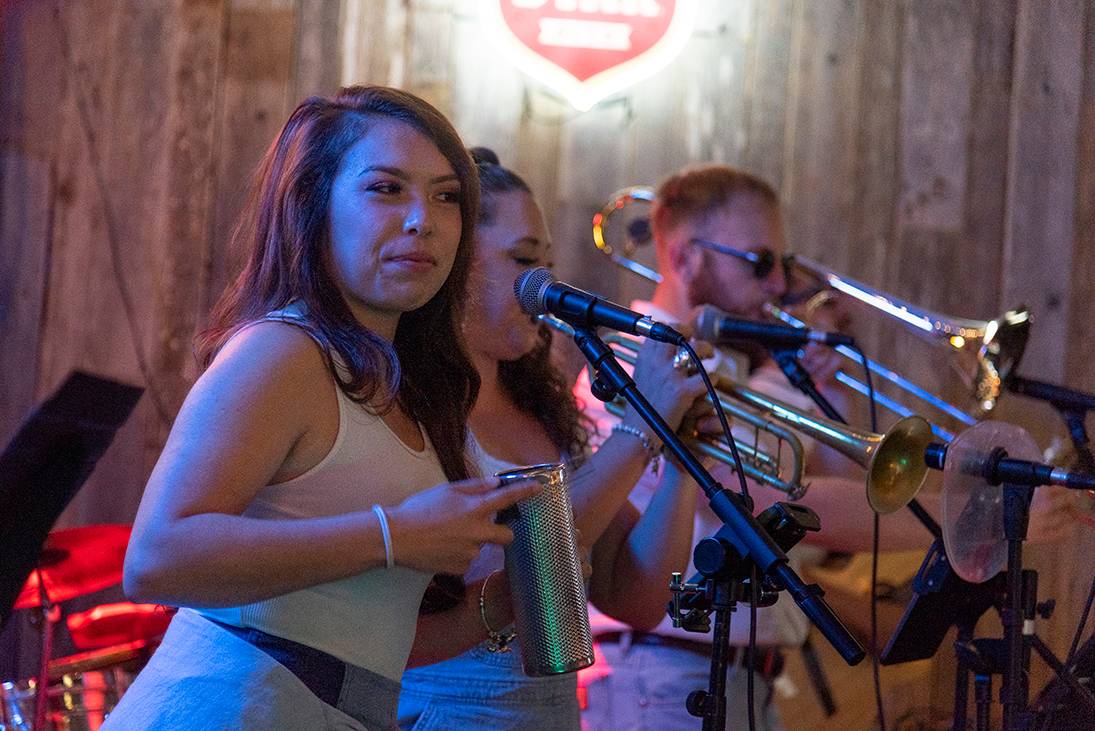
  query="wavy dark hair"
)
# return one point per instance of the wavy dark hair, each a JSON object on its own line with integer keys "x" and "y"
{"x": 284, "y": 231}
{"x": 533, "y": 382}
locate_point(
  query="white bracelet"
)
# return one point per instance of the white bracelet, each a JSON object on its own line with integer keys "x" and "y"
{"x": 389, "y": 558}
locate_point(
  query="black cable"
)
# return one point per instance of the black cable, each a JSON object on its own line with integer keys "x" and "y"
{"x": 875, "y": 669}
{"x": 713, "y": 395}
{"x": 751, "y": 651}
{"x": 754, "y": 592}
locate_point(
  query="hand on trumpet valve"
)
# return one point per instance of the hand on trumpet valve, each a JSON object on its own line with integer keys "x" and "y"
{"x": 672, "y": 390}
{"x": 700, "y": 420}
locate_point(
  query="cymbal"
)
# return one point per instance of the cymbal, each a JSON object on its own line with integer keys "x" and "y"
{"x": 118, "y": 623}
{"x": 135, "y": 652}
{"x": 973, "y": 510}
{"x": 77, "y": 561}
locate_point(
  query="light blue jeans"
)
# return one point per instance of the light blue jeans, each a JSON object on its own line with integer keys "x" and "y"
{"x": 647, "y": 687}
{"x": 486, "y": 690}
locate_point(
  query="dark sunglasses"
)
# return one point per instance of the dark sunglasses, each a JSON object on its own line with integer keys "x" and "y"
{"x": 763, "y": 259}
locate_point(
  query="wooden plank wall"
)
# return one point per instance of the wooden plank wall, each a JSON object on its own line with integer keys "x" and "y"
{"x": 943, "y": 150}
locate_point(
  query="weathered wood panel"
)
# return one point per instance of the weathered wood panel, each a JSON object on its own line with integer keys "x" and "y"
{"x": 818, "y": 182}
{"x": 941, "y": 150}
{"x": 27, "y": 183}
{"x": 253, "y": 102}
{"x": 767, "y": 90}
{"x": 1040, "y": 234}
{"x": 100, "y": 313}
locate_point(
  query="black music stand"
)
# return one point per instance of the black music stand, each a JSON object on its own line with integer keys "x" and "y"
{"x": 942, "y": 600}
{"x": 46, "y": 463}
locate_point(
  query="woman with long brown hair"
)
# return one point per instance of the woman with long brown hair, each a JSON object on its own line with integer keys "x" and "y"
{"x": 315, "y": 478}
{"x": 526, "y": 414}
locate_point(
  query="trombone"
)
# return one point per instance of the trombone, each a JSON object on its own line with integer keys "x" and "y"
{"x": 984, "y": 352}
{"x": 894, "y": 461}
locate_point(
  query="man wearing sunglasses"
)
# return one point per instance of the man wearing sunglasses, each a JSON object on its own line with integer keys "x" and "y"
{"x": 720, "y": 241}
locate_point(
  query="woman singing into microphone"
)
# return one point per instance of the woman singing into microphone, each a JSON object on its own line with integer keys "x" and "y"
{"x": 526, "y": 414}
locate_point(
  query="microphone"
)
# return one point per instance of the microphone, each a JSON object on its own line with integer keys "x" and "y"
{"x": 538, "y": 292}
{"x": 996, "y": 467}
{"x": 715, "y": 326}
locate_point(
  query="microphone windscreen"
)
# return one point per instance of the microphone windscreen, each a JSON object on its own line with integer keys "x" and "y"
{"x": 528, "y": 287}
{"x": 707, "y": 324}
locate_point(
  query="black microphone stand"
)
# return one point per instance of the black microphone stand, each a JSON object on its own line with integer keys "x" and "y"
{"x": 1020, "y": 594}
{"x": 746, "y": 546}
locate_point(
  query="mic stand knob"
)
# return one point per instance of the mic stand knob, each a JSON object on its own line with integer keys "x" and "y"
{"x": 698, "y": 703}
{"x": 602, "y": 390}
{"x": 690, "y": 607}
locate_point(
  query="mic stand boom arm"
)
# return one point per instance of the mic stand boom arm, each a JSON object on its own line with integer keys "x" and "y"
{"x": 750, "y": 540}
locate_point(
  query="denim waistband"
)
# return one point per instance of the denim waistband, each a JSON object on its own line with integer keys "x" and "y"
{"x": 322, "y": 673}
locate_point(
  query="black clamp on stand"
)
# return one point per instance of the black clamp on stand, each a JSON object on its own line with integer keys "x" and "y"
{"x": 724, "y": 579}
{"x": 751, "y": 543}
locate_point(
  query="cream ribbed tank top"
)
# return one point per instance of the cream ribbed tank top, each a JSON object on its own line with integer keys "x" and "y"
{"x": 369, "y": 619}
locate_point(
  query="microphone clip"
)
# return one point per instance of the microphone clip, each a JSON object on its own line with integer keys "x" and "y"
{"x": 602, "y": 389}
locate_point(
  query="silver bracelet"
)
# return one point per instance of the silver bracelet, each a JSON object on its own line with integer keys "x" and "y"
{"x": 652, "y": 452}
{"x": 389, "y": 557}
{"x": 497, "y": 640}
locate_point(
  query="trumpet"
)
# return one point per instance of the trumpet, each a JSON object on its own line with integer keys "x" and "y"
{"x": 984, "y": 352}
{"x": 894, "y": 461}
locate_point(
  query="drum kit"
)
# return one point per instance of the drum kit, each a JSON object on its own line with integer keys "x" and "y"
{"x": 41, "y": 470}
{"x": 115, "y": 640}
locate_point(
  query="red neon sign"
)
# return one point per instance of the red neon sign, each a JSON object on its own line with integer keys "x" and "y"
{"x": 588, "y": 49}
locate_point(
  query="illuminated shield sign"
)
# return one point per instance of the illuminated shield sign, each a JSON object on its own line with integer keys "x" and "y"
{"x": 588, "y": 49}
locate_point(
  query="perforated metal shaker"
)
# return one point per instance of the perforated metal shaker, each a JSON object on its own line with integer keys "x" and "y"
{"x": 545, "y": 575}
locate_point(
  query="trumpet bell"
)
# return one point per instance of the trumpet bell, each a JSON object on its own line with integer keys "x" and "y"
{"x": 894, "y": 461}
{"x": 895, "y": 464}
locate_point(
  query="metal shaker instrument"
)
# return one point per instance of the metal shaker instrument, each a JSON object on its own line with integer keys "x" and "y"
{"x": 545, "y": 575}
